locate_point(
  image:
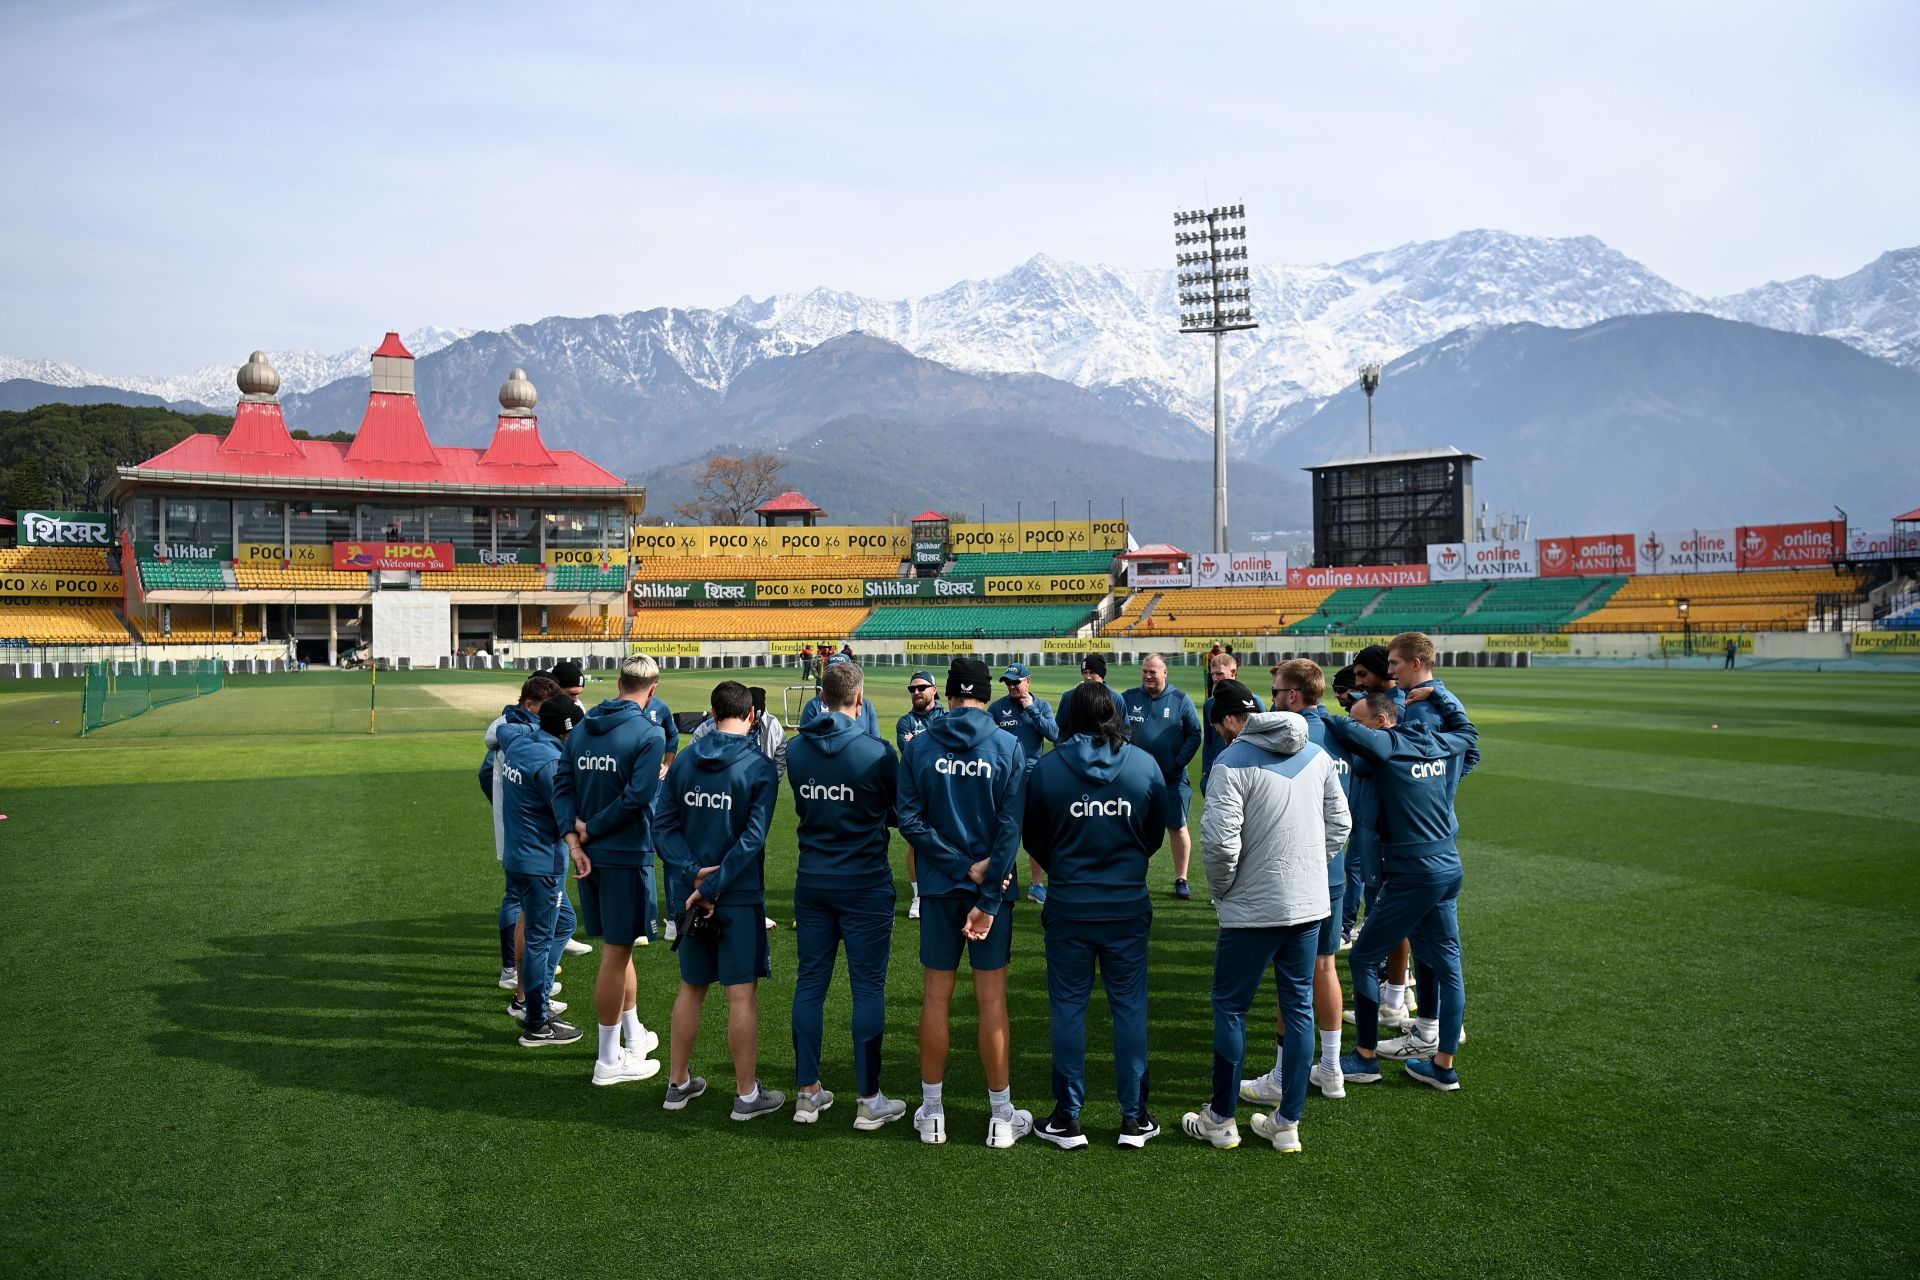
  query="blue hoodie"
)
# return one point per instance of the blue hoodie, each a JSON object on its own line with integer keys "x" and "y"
{"x": 1033, "y": 727}
{"x": 961, "y": 787}
{"x": 608, "y": 776}
{"x": 1415, "y": 770}
{"x": 1213, "y": 744}
{"x": 718, "y": 806}
{"x": 512, "y": 713}
{"x": 533, "y": 830}
{"x": 1428, "y": 711}
{"x": 661, "y": 715}
{"x": 912, "y": 725}
{"x": 869, "y": 720}
{"x": 843, "y": 784}
{"x": 1317, "y": 718}
{"x": 1166, "y": 728}
{"x": 1095, "y": 814}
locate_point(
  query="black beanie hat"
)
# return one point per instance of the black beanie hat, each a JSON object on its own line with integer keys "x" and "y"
{"x": 559, "y": 714}
{"x": 969, "y": 678}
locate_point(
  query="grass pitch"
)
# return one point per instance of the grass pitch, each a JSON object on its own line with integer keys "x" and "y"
{"x": 256, "y": 1028}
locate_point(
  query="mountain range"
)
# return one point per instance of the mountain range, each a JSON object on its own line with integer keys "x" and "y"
{"x": 1089, "y": 354}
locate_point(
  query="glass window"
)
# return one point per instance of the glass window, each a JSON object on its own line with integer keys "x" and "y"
{"x": 143, "y": 519}
{"x": 260, "y": 520}
{"x": 462, "y": 526}
{"x": 202, "y": 521}
{"x": 316, "y": 523}
{"x": 575, "y": 526}
{"x": 392, "y": 524}
{"x": 518, "y": 528}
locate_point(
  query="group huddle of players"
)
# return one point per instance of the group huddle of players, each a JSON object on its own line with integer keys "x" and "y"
{"x": 1307, "y": 814}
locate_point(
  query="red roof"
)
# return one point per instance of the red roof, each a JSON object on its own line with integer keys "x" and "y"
{"x": 259, "y": 428}
{"x": 391, "y": 431}
{"x": 1911, "y": 515}
{"x": 927, "y": 515}
{"x": 517, "y": 443}
{"x": 791, "y": 500}
{"x": 329, "y": 460}
{"x": 392, "y": 346}
{"x": 1157, "y": 551}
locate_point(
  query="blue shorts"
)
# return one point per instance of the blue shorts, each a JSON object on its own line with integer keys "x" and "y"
{"x": 740, "y": 955}
{"x": 614, "y": 904}
{"x": 941, "y": 939}
{"x": 1179, "y": 797}
{"x": 1330, "y": 927}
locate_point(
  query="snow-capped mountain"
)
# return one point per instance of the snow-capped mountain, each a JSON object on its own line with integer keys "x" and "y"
{"x": 1876, "y": 309}
{"x": 212, "y": 385}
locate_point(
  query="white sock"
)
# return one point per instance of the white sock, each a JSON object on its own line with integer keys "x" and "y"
{"x": 1002, "y": 1100}
{"x": 754, "y": 1096}
{"x": 1279, "y": 1057}
{"x": 610, "y": 1044}
{"x": 930, "y": 1097}
{"x": 631, "y": 1029}
{"x": 1393, "y": 995}
{"x": 1427, "y": 1028}
{"x": 916, "y": 887}
{"x": 1329, "y": 1050}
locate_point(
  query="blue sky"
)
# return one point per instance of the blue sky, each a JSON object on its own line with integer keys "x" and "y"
{"x": 197, "y": 179}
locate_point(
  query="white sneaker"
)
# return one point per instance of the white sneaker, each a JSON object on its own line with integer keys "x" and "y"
{"x": 649, "y": 1041}
{"x": 881, "y": 1111}
{"x": 808, "y": 1106}
{"x": 575, "y": 947}
{"x": 1262, "y": 1090}
{"x": 557, "y": 987}
{"x": 673, "y": 931}
{"x": 1002, "y": 1134}
{"x": 1224, "y": 1134}
{"x": 630, "y": 1066}
{"x": 1285, "y": 1137}
{"x": 517, "y": 1009}
{"x": 913, "y": 908}
{"x": 931, "y": 1125}
{"x": 1408, "y": 1046}
{"x": 509, "y": 978}
{"x": 1330, "y": 1082}
{"x": 772, "y": 924}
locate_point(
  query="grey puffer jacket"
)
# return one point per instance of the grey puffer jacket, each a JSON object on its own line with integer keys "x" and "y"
{"x": 1275, "y": 816}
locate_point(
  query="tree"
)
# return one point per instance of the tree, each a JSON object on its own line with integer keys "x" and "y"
{"x": 23, "y": 485}
{"x": 729, "y": 489}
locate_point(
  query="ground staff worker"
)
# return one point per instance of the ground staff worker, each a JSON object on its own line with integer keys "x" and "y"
{"x": 1161, "y": 721}
{"x": 1095, "y": 814}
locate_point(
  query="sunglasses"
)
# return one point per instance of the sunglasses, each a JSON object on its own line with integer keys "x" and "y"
{"x": 915, "y": 688}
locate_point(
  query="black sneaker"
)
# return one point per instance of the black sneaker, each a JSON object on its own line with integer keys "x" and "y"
{"x": 1138, "y": 1132}
{"x": 555, "y": 1032}
{"x": 1062, "y": 1130}
{"x": 1181, "y": 891}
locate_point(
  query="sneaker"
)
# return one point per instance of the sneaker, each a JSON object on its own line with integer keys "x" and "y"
{"x": 640, "y": 941}
{"x": 1183, "y": 892}
{"x": 1037, "y": 893}
{"x": 1346, "y": 940}
{"x": 557, "y": 987}
{"x": 649, "y": 1041}
{"x": 1410, "y": 1045}
{"x": 930, "y": 1125}
{"x": 1138, "y": 1131}
{"x": 1329, "y": 1082}
{"x": 1284, "y": 1136}
{"x": 1062, "y": 1130}
{"x": 1398, "y": 1017}
{"x": 1224, "y": 1134}
{"x": 808, "y": 1106}
{"x": 1004, "y": 1132}
{"x": 631, "y": 1066}
{"x": 772, "y": 924}
{"x": 1463, "y": 1033}
{"x": 1355, "y": 1069}
{"x": 517, "y": 1009}
{"x": 509, "y": 978}
{"x": 673, "y": 930}
{"x": 1262, "y": 1090}
{"x": 558, "y": 1032}
{"x": 575, "y": 947}
{"x": 768, "y": 1101}
{"x": 913, "y": 908}
{"x": 1427, "y": 1072}
{"x": 679, "y": 1095}
{"x": 881, "y": 1111}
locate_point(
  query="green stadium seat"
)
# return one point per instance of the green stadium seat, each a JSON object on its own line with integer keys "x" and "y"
{"x": 183, "y": 575}
{"x": 997, "y": 563}
{"x": 936, "y": 622}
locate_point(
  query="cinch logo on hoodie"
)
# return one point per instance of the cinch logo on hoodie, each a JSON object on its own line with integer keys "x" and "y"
{"x": 1428, "y": 769}
{"x": 826, "y": 791}
{"x": 1087, "y": 807}
{"x": 963, "y": 768}
{"x": 511, "y": 774}
{"x": 595, "y": 764}
{"x": 707, "y": 800}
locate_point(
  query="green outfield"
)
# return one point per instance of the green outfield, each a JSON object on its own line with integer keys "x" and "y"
{"x": 256, "y": 1029}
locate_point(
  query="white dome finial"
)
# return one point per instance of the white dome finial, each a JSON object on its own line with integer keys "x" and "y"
{"x": 517, "y": 395}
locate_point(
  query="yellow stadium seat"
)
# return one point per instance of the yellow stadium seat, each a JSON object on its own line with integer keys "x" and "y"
{"x": 61, "y": 622}
{"x": 741, "y": 568}
{"x": 827, "y": 622}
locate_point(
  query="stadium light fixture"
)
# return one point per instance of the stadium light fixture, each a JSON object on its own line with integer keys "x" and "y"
{"x": 1370, "y": 383}
{"x": 1213, "y": 301}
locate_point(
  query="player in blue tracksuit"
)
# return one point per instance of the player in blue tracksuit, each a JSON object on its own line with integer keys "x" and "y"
{"x": 868, "y": 719}
{"x": 1095, "y": 814}
{"x": 713, "y": 832}
{"x": 1221, "y": 666}
{"x": 535, "y": 691}
{"x": 607, "y": 784}
{"x": 1163, "y": 722}
{"x": 962, "y": 783}
{"x": 925, "y": 709}
{"x": 660, "y": 715}
{"x": 843, "y": 784}
{"x": 1093, "y": 670}
{"x": 536, "y": 860}
{"x": 1030, "y": 721}
{"x": 1415, "y": 769}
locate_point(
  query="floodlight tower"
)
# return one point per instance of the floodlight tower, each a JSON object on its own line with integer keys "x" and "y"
{"x": 1370, "y": 383}
{"x": 1214, "y": 298}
